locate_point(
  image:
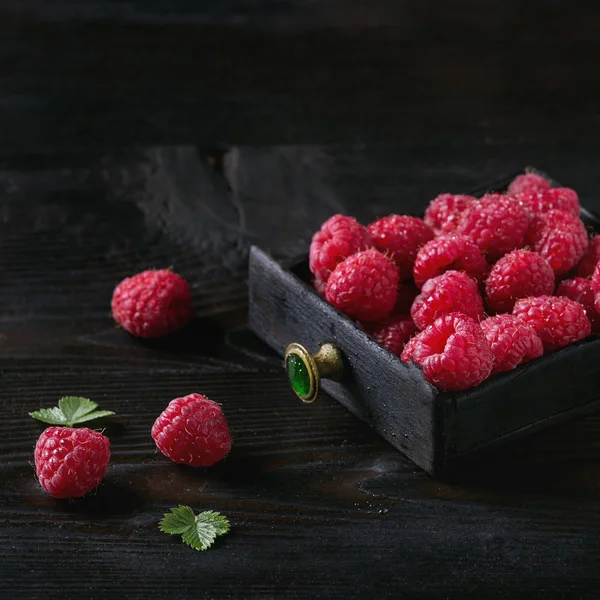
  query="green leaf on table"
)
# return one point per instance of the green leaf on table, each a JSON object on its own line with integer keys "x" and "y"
{"x": 198, "y": 531}
{"x": 71, "y": 410}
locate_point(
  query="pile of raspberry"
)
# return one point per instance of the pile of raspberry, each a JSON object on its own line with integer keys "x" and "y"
{"x": 476, "y": 287}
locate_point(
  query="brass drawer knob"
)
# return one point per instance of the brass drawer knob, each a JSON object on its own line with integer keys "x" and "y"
{"x": 305, "y": 370}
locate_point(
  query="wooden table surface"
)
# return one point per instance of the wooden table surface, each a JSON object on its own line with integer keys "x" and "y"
{"x": 136, "y": 136}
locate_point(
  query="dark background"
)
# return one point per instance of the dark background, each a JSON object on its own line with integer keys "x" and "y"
{"x": 150, "y": 134}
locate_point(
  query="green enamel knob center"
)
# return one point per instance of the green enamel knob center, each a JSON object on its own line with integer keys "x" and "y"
{"x": 298, "y": 375}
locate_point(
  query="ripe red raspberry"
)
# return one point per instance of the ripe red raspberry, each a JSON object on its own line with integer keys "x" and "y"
{"x": 590, "y": 259}
{"x": 512, "y": 342}
{"x": 192, "y": 431}
{"x": 452, "y": 291}
{"x": 319, "y": 286}
{"x": 528, "y": 183}
{"x": 451, "y": 252}
{"x": 559, "y": 321}
{"x": 400, "y": 237}
{"x": 496, "y": 223}
{"x": 553, "y": 199}
{"x": 71, "y": 462}
{"x": 595, "y": 279}
{"x": 581, "y": 290}
{"x": 518, "y": 274}
{"x": 152, "y": 304}
{"x": 452, "y": 352}
{"x": 364, "y": 286}
{"x": 392, "y": 333}
{"x": 338, "y": 238}
{"x": 443, "y": 212}
{"x": 560, "y": 238}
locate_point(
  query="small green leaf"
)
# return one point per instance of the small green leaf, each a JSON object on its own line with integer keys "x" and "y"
{"x": 178, "y": 520}
{"x": 200, "y": 531}
{"x": 218, "y": 521}
{"x": 74, "y": 407}
{"x": 71, "y": 410}
{"x": 200, "y": 538}
{"x": 53, "y": 416}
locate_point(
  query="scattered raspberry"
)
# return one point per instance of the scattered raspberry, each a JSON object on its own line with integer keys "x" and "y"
{"x": 392, "y": 333}
{"x": 452, "y": 352}
{"x": 452, "y": 291}
{"x": 152, "y": 304}
{"x": 590, "y": 259}
{"x": 338, "y": 238}
{"x": 518, "y": 274}
{"x": 512, "y": 342}
{"x": 596, "y": 286}
{"x": 192, "y": 430}
{"x": 443, "y": 212}
{"x": 528, "y": 183}
{"x": 407, "y": 292}
{"x": 559, "y": 321}
{"x": 400, "y": 237}
{"x": 560, "y": 238}
{"x": 364, "y": 286}
{"x": 451, "y": 252}
{"x": 553, "y": 199}
{"x": 496, "y": 223}
{"x": 71, "y": 462}
{"x": 581, "y": 290}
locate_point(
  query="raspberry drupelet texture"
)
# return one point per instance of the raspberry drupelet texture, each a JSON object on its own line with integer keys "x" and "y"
{"x": 518, "y": 274}
{"x": 69, "y": 462}
{"x": 393, "y": 333}
{"x": 192, "y": 431}
{"x": 453, "y": 353}
{"x": 559, "y": 321}
{"x": 338, "y": 238}
{"x": 496, "y": 223}
{"x": 451, "y": 252}
{"x": 553, "y": 199}
{"x": 582, "y": 291}
{"x": 560, "y": 238}
{"x": 152, "y": 304}
{"x": 452, "y": 291}
{"x": 511, "y": 341}
{"x": 596, "y": 286}
{"x": 590, "y": 259}
{"x": 399, "y": 237}
{"x": 528, "y": 183}
{"x": 364, "y": 286}
{"x": 444, "y": 211}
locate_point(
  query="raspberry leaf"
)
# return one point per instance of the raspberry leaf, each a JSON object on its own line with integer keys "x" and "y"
{"x": 71, "y": 411}
{"x": 199, "y": 531}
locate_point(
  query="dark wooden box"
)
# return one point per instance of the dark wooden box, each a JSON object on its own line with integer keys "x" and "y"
{"x": 434, "y": 429}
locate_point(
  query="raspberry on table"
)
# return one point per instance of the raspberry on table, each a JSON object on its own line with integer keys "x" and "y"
{"x": 453, "y": 291}
{"x": 339, "y": 237}
{"x": 528, "y": 183}
{"x": 560, "y": 238}
{"x": 192, "y": 431}
{"x": 553, "y": 199}
{"x": 518, "y": 274}
{"x": 453, "y": 352}
{"x": 512, "y": 342}
{"x": 581, "y": 290}
{"x": 559, "y": 321}
{"x": 596, "y": 286}
{"x": 444, "y": 211}
{"x": 364, "y": 286}
{"x": 152, "y": 304}
{"x": 450, "y": 252}
{"x": 496, "y": 223}
{"x": 400, "y": 237}
{"x": 590, "y": 259}
{"x": 392, "y": 333}
{"x": 69, "y": 462}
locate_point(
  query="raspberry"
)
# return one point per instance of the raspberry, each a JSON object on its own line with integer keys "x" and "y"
{"x": 319, "y": 286}
{"x": 512, "y": 342}
{"x": 71, "y": 462}
{"x": 452, "y": 352}
{"x": 443, "y": 212}
{"x": 407, "y": 292}
{"x": 560, "y": 238}
{"x": 452, "y": 291}
{"x": 590, "y": 259}
{"x": 192, "y": 430}
{"x": 518, "y": 274}
{"x": 581, "y": 290}
{"x": 152, "y": 303}
{"x": 596, "y": 286}
{"x": 528, "y": 183}
{"x": 553, "y": 199}
{"x": 400, "y": 237}
{"x": 392, "y": 333}
{"x": 338, "y": 238}
{"x": 364, "y": 286}
{"x": 558, "y": 321}
{"x": 451, "y": 252}
{"x": 497, "y": 224}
